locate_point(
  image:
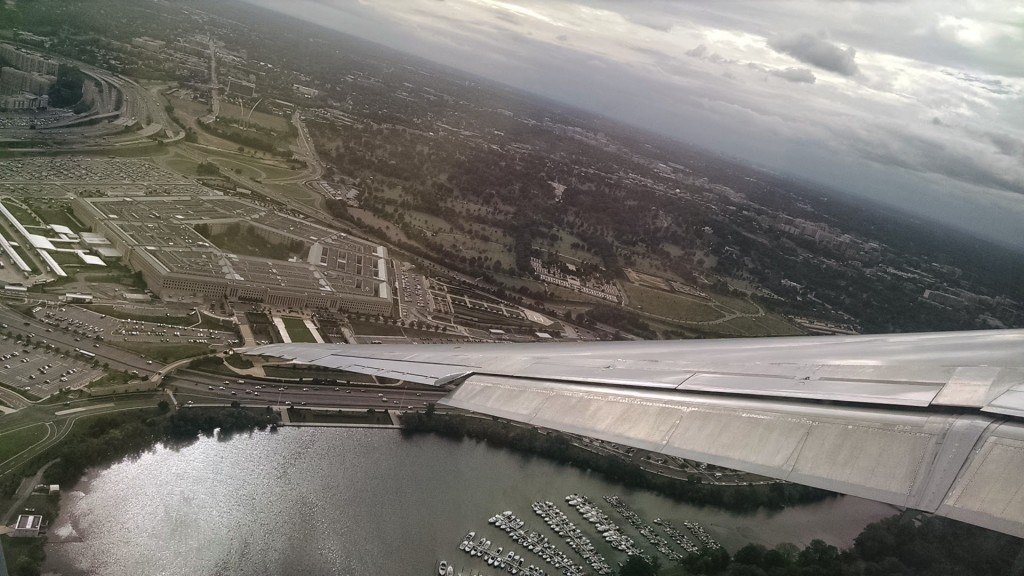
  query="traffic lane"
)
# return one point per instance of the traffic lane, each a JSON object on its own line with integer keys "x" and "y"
{"x": 243, "y": 382}
{"x": 395, "y": 397}
{"x": 367, "y": 399}
{"x": 321, "y": 396}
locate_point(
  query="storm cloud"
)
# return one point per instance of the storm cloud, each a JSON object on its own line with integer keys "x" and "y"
{"x": 795, "y": 75}
{"x": 914, "y": 103}
{"x": 818, "y": 51}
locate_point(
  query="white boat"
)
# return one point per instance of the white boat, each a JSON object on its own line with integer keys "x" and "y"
{"x": 442, "y": 568}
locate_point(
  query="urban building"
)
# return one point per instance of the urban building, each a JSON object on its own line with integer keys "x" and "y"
{"x": 160, "y": 237}
{"x": 16, "y": 82}
{"x": 241, "y": 87}
{"x": 27, "y": 61}
{"x": 24, "y": 101}
{"x": 148, "y": 44}
{"x": 27, "y": 526}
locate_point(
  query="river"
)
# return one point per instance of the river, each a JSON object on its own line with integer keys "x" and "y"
{"x": 353, "y": 501}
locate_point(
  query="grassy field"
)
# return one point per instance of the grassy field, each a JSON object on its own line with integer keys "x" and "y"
{"x": 181, "y": 165}
{"x": 269, "y": 121}
{"x": 768, "y": 325}
{"x": 112, "y": 378}
{"x": 24, "y": 215}
{"x": 669, "y": 305}
{"x": 27, "y": 395}
{"x": 239, "y": 361}
{"x": 66, "y": 258}
{"x": 56, "y": 215}
{"x": 374, "y": 329}
{"x": 740, "y": 306}
{"x": 13, "y": 443}
{"x": 297, "y": 329}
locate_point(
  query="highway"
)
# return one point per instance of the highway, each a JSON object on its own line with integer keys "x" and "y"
{"x": 356, "y": 395}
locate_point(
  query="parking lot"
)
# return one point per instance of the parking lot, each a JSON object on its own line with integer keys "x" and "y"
{"x": 413, "y": 293}
{"x": 87, "y": 324}
{"x": 91, "y": 170}
{"x": 22, "y": 120}
{"x": 43, "y": 371}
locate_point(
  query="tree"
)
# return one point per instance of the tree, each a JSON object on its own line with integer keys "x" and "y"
{"x": 26, "y": 566}
{"x": 752, "y": 554}
{"x": 208, "y": 169}
{"x": 67, "y": 90}
{"x": 163, "y": 406}
{"x": 637, "y": 566}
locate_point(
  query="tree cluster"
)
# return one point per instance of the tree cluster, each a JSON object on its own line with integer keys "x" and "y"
{"x": 902, "y": 545}
{"x": 67, "y": 90}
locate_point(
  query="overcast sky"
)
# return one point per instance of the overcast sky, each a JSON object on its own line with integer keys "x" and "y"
{"x": 918, "y": 104}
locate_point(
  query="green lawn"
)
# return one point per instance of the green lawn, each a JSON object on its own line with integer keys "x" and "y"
{"x": 669, "y": 305}
{"x": 27, "y": 395}
{"x": 112, "y": 378}
{"x": 56, "y": 215}
{"x": 13, "y": 443}
{"x": 740, "y": 306}
{"x": 297, "y": 329}
{"x": 239, "y": 361}
{"x": 66, "y": 258}
{"x": 362, "y": 328}
{"x": 25, "y": 216}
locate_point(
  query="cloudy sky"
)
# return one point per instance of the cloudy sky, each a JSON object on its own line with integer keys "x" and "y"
{"x": 919, "y": 104}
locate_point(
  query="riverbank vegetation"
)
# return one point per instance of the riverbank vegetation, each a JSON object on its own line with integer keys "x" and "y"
{"x": 102, "y": 440}
{"x": 559, "y": 448}
{"x": 912, "y": 544}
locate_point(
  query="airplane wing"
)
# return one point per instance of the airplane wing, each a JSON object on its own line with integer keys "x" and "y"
{"x": 933, "y": 421}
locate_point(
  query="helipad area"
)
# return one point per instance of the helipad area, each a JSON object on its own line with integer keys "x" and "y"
{"x": 157, "y": 236}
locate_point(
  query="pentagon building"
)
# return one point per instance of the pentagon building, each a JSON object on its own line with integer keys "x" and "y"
{"x": 159, "y": 236}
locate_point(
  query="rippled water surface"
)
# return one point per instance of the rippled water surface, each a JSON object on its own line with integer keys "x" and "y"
{"x": 346, "y": 501}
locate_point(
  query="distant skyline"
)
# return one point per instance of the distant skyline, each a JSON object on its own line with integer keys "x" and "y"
{"x": 916, "y": 104}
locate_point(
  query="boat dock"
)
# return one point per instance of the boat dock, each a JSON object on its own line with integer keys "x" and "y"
{"x": 576, "y": 539}
{"x": 646, "y": 530}
{"x": 536, "y": 543}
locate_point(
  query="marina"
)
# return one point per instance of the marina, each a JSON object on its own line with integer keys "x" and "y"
{"x": 646, "y": 530}
{"x": 678, "y": 537}
{"x": 512, "y": 562}
{"x": 697, "y": 530}
{"x": 575, "y": 537}
{"x": 604, "y": 525}
{"x": 536, "y": 543}
{"x": 496, "y": 557}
